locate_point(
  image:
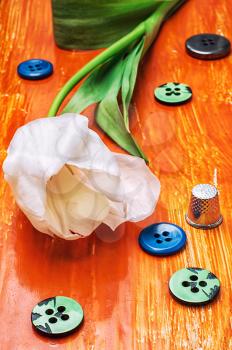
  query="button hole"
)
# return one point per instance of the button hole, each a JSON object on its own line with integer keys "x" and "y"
{"x": 168, "y": 93}
{"x": 61, "y": 308}
{"x": 168, "y": 89}
{"x": 203, "y": 283}
{"x": 49, "y": 311}
{"x": 193, "y": 278}
{"x": 185, "y": 284}
{"x": 165, "y": 233}
{"x": 159, "y": 241}
{"x": 65, "y": 317}
{"x": 52, "y": 320}
{"x": 168, "y": 239}
{"x": 156, "y": 235}
{"x": 194, "y": 290}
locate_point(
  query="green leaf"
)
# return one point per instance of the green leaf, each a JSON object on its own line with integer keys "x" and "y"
{"x": 129, "y": 78}
{"x": 109, "y": 116}
{"x": 113, "y": 75}
{"x": 93, "y": 89}
{"x": 103, "y": 85}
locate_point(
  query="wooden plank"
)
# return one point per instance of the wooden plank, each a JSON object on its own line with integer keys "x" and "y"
{"x": 124, "y": 292}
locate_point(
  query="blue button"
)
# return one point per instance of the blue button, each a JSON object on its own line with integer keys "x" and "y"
{"x": 35, "y": 69}
{"x": 162, "y": 239}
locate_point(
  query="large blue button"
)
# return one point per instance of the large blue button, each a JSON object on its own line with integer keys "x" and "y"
{"x": 162, "y": 239}
{"x": 35, "y": 69}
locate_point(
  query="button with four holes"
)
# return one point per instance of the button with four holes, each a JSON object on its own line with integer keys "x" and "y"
{"x": 194, "y": 286}
{"x": 57, "y": 316}
{"x": 173, "y": 93}
{"x": 162, "y": 239}
{"x": 207, "y": 46}
{"x": 35, "y": 69}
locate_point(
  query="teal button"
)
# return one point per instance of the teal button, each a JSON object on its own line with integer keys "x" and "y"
{"x": 173, "y": 93}
{"x": 194, "y": 286}
{"x": 57, "y": 316}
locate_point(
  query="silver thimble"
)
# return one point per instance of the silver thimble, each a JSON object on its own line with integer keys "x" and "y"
{"x": 204, "y": 209}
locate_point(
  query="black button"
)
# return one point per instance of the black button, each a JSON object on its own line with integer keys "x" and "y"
{"x": 207, "y": 46}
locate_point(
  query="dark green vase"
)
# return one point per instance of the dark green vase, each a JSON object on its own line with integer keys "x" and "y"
{"x": 92, "y": 24}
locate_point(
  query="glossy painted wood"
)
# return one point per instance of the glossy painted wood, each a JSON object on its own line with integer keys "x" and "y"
{"x": 124, "y": 292}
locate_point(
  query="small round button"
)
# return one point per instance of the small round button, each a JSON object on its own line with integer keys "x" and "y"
{"x": 173, "y": 93}
{"x": 57, "y": 316}
{"x": 162, "y": 239}
{"x": 35, "y": 69}
{"x": 207, "y": 46}
{"x": 194, "y": 286}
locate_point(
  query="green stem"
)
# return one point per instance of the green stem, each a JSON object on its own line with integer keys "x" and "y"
{"x": 114, "y": 49}
{"x": 149, "y": 27}
{"x": 153, "y": 23}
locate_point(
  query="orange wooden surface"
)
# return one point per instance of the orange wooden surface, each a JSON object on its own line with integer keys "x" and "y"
{"x": 124, "y": 292}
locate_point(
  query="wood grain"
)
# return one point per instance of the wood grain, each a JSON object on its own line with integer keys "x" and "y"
{"x": 124, "y": 292}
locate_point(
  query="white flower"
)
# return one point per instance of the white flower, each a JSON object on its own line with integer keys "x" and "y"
{"x": 67, "y": 182}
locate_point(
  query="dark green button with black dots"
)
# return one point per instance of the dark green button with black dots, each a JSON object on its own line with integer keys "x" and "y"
{"x": 173, "y": 93}
{"x": 57, "y": 316}
{"x": 194, "y": 286}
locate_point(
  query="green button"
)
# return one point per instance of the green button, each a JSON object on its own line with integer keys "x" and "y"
{"x": 57, "y": 316}
{"x": 194, "y": 286}
{"x": 173, "y": 93}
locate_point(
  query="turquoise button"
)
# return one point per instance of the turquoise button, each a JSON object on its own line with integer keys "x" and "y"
{"x": 173, "y": 93}
{"x": 194, "y": 286}
{"x": 57, "y": 316}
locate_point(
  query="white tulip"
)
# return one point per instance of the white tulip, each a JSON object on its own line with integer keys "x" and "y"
{"x": 67, "y": 182}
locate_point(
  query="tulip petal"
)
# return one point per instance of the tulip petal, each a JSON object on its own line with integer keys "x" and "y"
{"x": 67, "y": 182}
